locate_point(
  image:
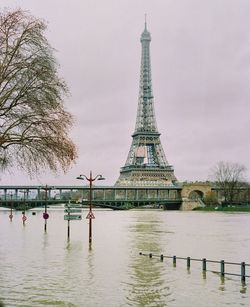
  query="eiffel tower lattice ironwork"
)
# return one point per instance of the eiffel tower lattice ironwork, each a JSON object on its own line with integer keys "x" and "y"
{"x": 146, "y": 164}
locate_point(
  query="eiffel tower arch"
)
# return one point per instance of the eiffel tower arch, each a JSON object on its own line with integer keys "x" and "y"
{"x": 146, "y": 164}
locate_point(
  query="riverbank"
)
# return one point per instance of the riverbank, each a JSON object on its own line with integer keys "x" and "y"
{"x": 225, "y": 209}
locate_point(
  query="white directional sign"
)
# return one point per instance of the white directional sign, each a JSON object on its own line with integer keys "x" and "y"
{"x": 72, "y": 217}
{"x": 69, "y": 210}
{"x": 67, "y": 206}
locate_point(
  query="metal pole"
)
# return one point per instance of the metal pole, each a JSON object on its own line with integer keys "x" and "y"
{"x": 45, "y": 214}
{"x": 243, "y": 271}
{"x": 68, "y": 221}
{"x": 90, "y": 207}
{"x": 174, "y": 260}
{"x": 45, "y": 208}
{"x": 188, "y": 263}
{"x": 222, "y": 268}
{"x": 68, "y": 229}
{"x": 11, "y": 207}
{"x": 204, "y": 264}
{"x": 24, "y": 216}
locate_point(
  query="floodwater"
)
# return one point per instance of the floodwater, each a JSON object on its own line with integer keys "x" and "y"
{"x": 45, "y": 269}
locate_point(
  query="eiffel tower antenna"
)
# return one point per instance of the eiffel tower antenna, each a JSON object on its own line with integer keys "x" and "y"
{"x": 146, "y": 164}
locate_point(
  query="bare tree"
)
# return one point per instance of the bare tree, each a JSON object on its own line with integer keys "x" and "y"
{"x": 34, "y": 124}
{"x": 211, "y": 199}
{"x": 229, "y": 177}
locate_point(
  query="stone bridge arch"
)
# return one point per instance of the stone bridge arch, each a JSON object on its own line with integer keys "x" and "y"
{"x": 196, "y": 194}
{"x": 193, "y": 193}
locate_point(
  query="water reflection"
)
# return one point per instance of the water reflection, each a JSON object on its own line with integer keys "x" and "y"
{"x": 90, "y": 266}
{"x": 147, "y": 285}
{"x": 222, "y": 284}
{"x": 45, "y": 241}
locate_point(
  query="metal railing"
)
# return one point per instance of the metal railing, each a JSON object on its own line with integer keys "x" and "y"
{"x": 204, "y": 263}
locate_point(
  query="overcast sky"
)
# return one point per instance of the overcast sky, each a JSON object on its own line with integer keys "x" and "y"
{"x": 200, "y": 57}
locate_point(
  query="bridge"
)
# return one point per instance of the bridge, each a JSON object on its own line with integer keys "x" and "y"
{"x": 117, "y": 198}
{"x": 182, "y": 196}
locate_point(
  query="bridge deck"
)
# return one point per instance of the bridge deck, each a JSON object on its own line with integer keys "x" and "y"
{"x": 105, "y": 196}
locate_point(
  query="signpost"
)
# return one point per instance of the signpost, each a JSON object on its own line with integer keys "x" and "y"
{"x": 11, "y": 206}
{"x": 46, "y": 188}
{"x": 24, "y": 217}
{"x": 69, "y": 209}
{"x": 72, "y": 217}
{"x": 45, "y": 216}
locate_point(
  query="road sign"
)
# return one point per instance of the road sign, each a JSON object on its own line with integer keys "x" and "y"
{"x": 72, "y": 217}
{"x": 72, "y": 206}
{"x": 45, "y": 215}
{"x": 24, "y": 218}
{"x": 69, "y": 210}
{"x": 90, "y": 215}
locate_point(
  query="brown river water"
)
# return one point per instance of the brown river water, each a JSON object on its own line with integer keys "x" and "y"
{"x": 47, "y": 269}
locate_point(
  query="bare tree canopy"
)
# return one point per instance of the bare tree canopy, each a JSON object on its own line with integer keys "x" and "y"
{"x": 34, "y": 124}
{"x": 229, "y": 177}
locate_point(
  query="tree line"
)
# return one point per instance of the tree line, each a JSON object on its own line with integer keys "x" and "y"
{"x": 231, "y": 182}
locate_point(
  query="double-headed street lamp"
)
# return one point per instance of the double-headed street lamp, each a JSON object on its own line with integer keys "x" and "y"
{"x": 90, "y": 215}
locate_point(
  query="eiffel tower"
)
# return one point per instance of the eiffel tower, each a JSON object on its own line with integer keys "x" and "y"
{"x": 146, "y": 164}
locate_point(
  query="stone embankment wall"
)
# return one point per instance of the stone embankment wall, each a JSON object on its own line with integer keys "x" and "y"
{"x": 188, "y": 205}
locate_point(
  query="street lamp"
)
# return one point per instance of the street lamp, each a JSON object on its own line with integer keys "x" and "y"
{"x": 90, "y": 215}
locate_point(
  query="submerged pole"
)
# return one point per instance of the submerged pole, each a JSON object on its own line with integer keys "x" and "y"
{"x": 204, "y": 264}
{"x": 222, "y": 268}
{"x": 243, "y": 271}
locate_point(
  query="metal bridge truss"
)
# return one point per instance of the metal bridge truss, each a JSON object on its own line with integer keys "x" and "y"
{"x": 108, "y": 197}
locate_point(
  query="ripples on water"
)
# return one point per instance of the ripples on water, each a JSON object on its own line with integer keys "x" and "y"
{"x": 40, "y": 269}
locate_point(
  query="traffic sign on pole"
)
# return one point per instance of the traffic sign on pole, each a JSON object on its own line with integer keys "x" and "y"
{"x": 45, "y": 215}
{"x": 72, "y": 217}
{"x": 69, "y": 210}
{"x": 68, "y": 206}
{"x": 90, "y": 215}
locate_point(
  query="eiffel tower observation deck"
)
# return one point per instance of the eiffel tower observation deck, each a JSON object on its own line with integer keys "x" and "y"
{"x": 146, "y": 164}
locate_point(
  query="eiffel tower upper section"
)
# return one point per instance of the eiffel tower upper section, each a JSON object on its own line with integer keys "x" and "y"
{"x": 146, "y": 164}
{"x": 145, "y": 121}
